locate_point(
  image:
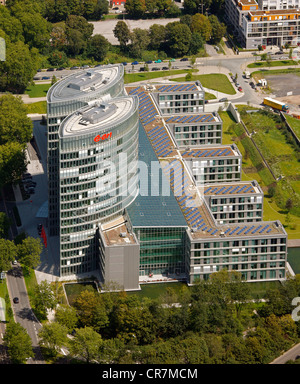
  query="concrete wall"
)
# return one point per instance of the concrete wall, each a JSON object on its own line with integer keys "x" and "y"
{"x": 122, "y": 265}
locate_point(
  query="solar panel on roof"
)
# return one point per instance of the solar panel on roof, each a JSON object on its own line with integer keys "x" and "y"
{"x": 214, "y": 232}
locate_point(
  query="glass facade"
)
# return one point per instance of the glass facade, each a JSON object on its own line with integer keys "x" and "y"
{"x": 161, "y": 250}
{"x": 62, "y": 101}
{"x": 92, "y": 187}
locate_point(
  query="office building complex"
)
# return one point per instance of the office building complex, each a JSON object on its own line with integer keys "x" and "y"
{"x": 264, "y": 23}
{"x": 135, "y": 198}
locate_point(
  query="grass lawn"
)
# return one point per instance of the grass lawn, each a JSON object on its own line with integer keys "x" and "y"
{"x": 215, "y": 81}
{"x": 142, "y": 76}
{"x": 271, "y": 211}
{"x": 276, "y": 63}
{"x": 38, "y": 107}
{"x": 37, "y": 90}
{"x": 295, "y": 124}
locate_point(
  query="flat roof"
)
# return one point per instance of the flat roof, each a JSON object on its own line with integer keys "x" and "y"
{"x": 210, "y": 151}
{"x": 116, "y": 233}
{"x": 231, "y": 188}
{"x": 182, "y": 87}
{"x": 98, "y": 115}
{"x": 84, "y": 82}
{"x": 275, "y": 12}
{"x": 204, "y": 117}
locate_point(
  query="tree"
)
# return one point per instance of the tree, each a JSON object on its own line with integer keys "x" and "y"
{"x": 197, "y": 43}
{"x": 13, "y": 162}
{"x": 15, "y": 126}
{"x": 98, "y": 47}
{"x": 7, "y": 254}
{"x": 91, "y": 310}
{"x": 135, "y": 8}
{"x": 122, "y": 33}
{"x": 218, "y": 29}
{"x": 43, "y": 299}
{"x": 29, "y": 252}
{"x": 157, "y": 35}
{"x": 4, "y": 225}
{"x": 196, "y": 6}
{"x": 178, "y": 38}
{"x": 17, "y": 71}
{"x": 86, "y": 344}
{"x": 139, "y": 41}
{"x": 53, "y": 336}
{"x": 18, "y": 343}
{"x": 66, "y": 316}
{"x": 201, "y": 24}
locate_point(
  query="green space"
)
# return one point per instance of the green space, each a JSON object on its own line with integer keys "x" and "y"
{"x": 38, "y": 107}
{"x": 73, "y": 290}
{"x": 254, "y": 169}
{"x": 281, "y": 153}
{"x": 294, "y": 123}
{"x": 275, "y": 63}
{"x": 215, "y": 81}
{"x": 37, "y": 90}
{"x": 142, "y": 76}
{"x": 294, "y": 259}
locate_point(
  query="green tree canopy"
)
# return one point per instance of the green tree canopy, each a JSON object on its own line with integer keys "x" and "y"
{"x": 201, "y": 24}
{"x": 18, "y": 343}
{"x": 17, "y": 71}
{"x": 8, "y": 251}
{"x": 178, "y": 38}
{"x": 98, "y": 47}
{"x": 15, "y": 126}
{"x": 86, "y": 344}
{"x": 29, "y": 252}
{"x": 122, "y": 33}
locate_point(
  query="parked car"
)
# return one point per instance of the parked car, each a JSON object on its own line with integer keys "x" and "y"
{"x": 74, "y": 68}
{"x": 142, "y": 69}
{"x": 134, "y": 63}
{"x": 149, "y": 62}
{"x": 124, "y": 63}
{"x": 223, "y": 99}
{"x": 155, "y": 69}
{"x": 50, "y": 69}
{"x": 240, "y": 89}
{"x": 279, "y": 53}
{"x": 60, "y": 68}
{"x": 45, "y": 78}
{"x": 184, "y": 59}
{"x": 157, "y": 61}
{"x": 165, "y": 68}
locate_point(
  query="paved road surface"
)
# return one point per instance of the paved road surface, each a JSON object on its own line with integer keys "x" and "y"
{"x": 23, "y": 313}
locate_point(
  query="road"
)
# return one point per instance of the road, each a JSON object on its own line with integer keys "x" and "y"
{"x": 291, "y": 354}
{"x": 23, "y": 313}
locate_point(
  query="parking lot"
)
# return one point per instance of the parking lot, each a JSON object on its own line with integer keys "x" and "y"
{"x": 282, "y": 84}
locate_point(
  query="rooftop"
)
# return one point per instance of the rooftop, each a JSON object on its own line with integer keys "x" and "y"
{"x": 84, "y": 82}
{"x": 116, "y": 233}
{"x": 275, "y": 12}
{"x": 98, "y": 115}
{"x": 192, "y": 118}
{"x": 232, "y": 188}
{"x": 193, "y": 209}
{"x": 182, "y": 87}
{"x": 210, "y": 151}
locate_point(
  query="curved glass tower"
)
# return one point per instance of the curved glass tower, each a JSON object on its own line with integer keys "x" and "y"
{"x": 98, "y": 153}
{"x": 63, "y": 98}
